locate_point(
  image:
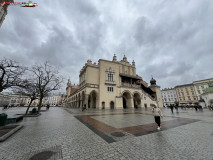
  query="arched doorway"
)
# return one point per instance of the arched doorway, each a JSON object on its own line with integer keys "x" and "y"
{"x": 92, "y": 99}
{"x": 89, "y": 101}
{"x": 112, "y": 105}
{"x": 124, "y": 103}
{"x": 127, "y": 100}
{"x": 137, "y": 100}
{"x": 103, "y": 105}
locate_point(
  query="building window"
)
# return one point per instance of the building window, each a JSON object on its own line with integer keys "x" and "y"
{"x": 110, "y": 89}
{"x": 199, "y": 91}
{"x": 195, "y": 98}
{"x": 192, "y": 92}
{"x": 110, "y": 77}
{"x": 189, "y": 98}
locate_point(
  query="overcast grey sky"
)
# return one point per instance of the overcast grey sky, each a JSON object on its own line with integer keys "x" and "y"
{"x": 169, "y": 39}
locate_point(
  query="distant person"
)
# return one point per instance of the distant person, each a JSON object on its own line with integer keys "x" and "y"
{"x": 200, "y": 107}
{"x": 195, "y": 107}
{"x": 157, "y": 115}
{"x": 176, "y": 107}
{"x": 48, "y": 106}
{"x": 184, "y": 106}
{"x": 84, "y": 108}
{"x": 171, "y": 107}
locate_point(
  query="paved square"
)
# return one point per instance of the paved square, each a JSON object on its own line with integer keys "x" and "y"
{"x": 128, "y": 120}
{"x": 71, "y": 134}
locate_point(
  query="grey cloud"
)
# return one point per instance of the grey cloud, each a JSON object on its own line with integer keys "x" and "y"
{"x": 171, "y": 40}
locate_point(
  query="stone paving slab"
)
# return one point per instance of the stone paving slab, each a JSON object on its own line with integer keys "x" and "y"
{"x": 57, "y": 127}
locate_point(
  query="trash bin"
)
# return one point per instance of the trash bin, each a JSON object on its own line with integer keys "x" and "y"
{"x": 34, "y": 110}
{"x": 3, "y": 119}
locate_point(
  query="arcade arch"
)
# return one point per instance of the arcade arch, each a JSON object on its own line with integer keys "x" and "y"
{"x": 92, "y": 101}
{"x": 137, "y": 100}
{"x": 126, "y": 97}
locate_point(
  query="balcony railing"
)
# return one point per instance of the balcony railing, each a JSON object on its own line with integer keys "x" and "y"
{"x": 129, "y": 85}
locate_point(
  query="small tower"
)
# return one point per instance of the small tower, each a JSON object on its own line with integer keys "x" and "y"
{"x": 133, "y": 63}
{"x": 155, "y": 88}
{"x": 114, "y": 58}
{"x": 153, "y": 82}
{"x": 69, "y": 86}
{"x": 89, "y": 61}
{"x": 124, "y": 59}
{"x": 68, "y": 83}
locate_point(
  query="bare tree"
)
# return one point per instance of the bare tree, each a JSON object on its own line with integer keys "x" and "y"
{"x": 48, "y": 79}
{"x": 10, "y": 74}
{"x": 27, "y": 88}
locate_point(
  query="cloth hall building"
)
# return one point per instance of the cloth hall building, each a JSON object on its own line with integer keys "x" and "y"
{"x": 112, "y": 84}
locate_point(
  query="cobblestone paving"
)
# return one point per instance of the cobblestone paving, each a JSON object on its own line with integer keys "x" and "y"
{"x": 57, "y": 128}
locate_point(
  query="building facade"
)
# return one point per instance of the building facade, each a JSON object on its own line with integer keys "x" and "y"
{"x": 201, "y": 85}
{"x": 169, "y": 96}
{"x": 186, "y": 94}
{"x": 207, "y": 95}
{"x": 20, "y": 100}
{"x": 4, "y": 99}
{"x": 111, "y": 84}
{"x": 54, "y": 100}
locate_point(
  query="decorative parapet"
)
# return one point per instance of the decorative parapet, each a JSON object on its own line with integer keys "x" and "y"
{"x": 129, "y": 85}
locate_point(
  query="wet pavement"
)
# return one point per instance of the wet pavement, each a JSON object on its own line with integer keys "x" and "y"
{"x": 111, "y": 134}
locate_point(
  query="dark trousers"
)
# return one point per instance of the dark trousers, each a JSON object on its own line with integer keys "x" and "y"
{"x": 157, "y": 120}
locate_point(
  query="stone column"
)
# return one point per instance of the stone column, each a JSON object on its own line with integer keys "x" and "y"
{"x": 131, "y": 102}
{"x": 86, "y": 100}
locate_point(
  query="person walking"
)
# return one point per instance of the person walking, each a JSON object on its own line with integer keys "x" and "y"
{"x": 84, "y": 107}
{"x": 171, "y": 107}
{"x": 176, "y": 107}
{"x": 157, "y": 115}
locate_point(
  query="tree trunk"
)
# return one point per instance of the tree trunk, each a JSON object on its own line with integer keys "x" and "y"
{"x": 40, "y": 103}
{"x": 31, "y": 100}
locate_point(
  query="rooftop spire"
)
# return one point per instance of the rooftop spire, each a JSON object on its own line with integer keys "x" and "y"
{"x": 114, "y": 58}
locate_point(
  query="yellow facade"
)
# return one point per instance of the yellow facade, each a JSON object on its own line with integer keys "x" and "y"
{"x": 111, "y": 84}
{"x": 186, "y": 94}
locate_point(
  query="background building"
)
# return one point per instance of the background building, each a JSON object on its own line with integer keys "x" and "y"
{"x": 20, "y": 101}
{"x": 186, "y": 94}
{"x": 4, "y": 99}
{"x": 207, "y": 95}
{"x": 54, "y": 99}
{"x": 112, "y": 84}
{"x": 201, "y": 85}
{"x": 169, "y": 96}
